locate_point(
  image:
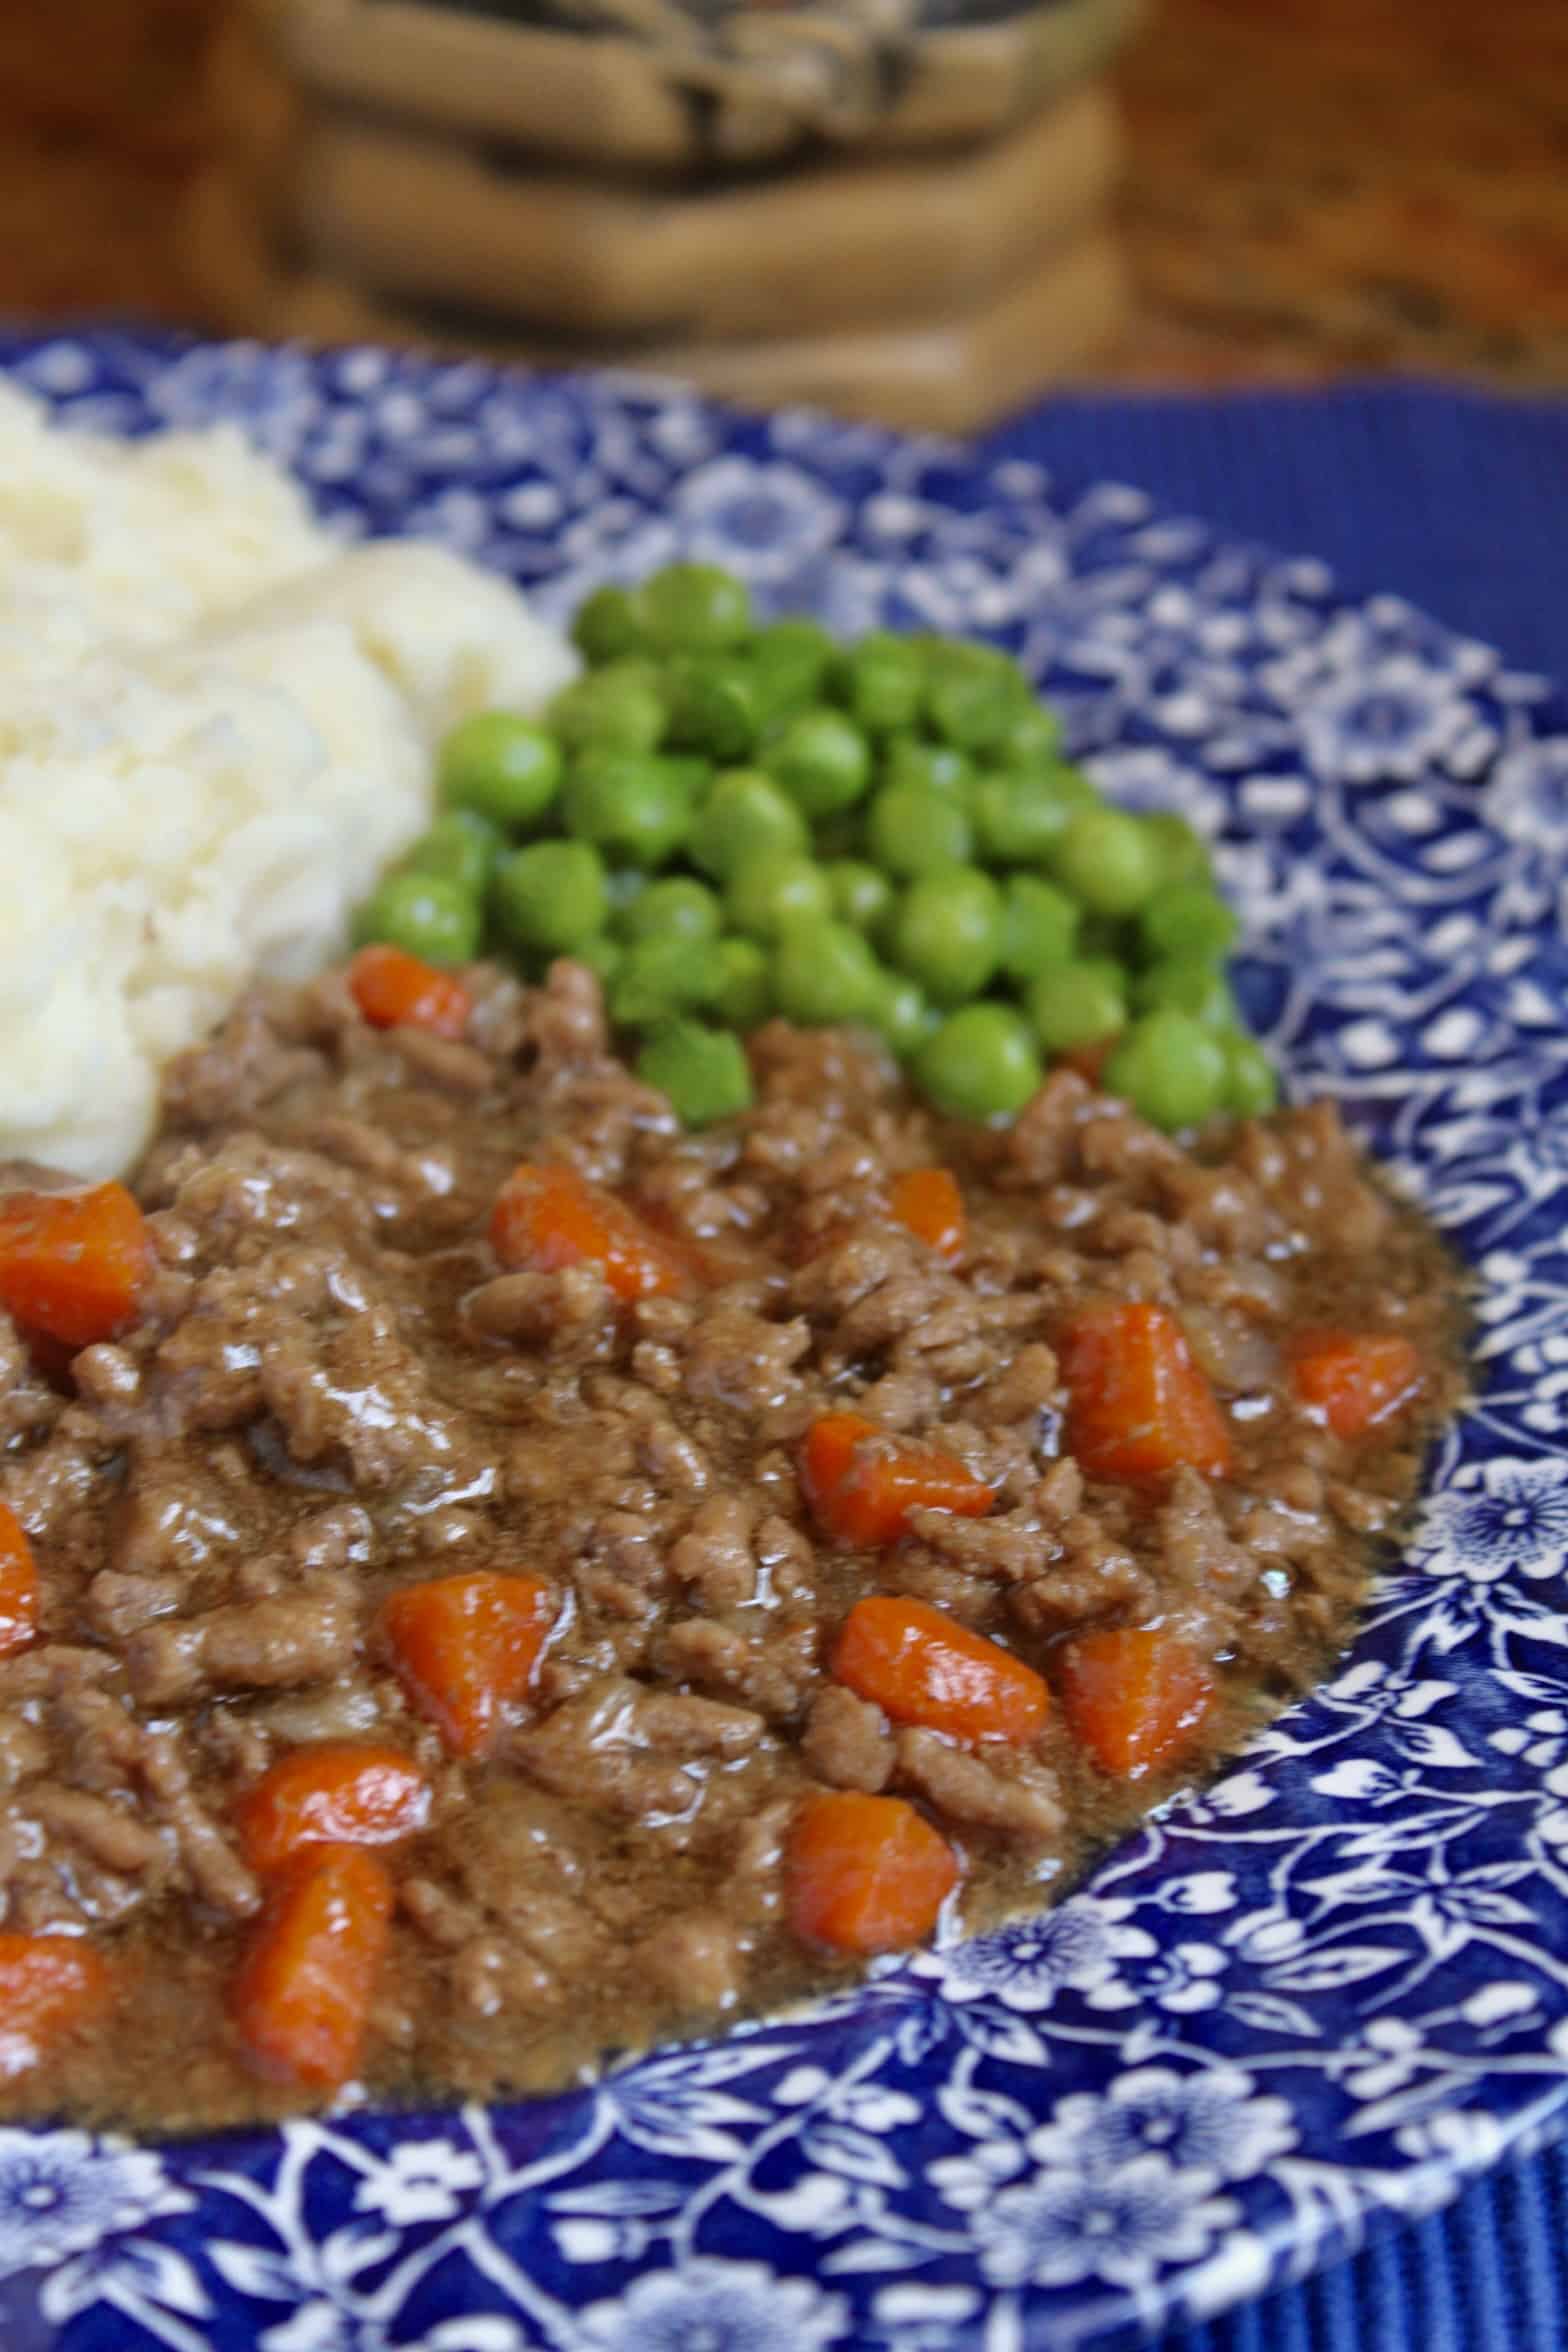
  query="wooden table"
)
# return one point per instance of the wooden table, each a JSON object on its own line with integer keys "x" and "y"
{"x": 1317, "y": 187}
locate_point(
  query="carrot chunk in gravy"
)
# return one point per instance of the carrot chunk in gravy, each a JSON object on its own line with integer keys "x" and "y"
{"x": 72, "y": 1264}
{"x": 303, "y": 1992}
{"x": 866, "y": 1874}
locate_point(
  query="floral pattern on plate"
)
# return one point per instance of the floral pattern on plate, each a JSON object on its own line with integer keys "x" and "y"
{"x": 1332, "y": 1984}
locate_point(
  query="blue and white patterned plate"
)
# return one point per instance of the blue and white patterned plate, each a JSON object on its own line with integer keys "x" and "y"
{"x": 1327, "y": 1988}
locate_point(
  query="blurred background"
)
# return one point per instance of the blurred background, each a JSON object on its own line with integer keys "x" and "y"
{"x": 925, "y": 212}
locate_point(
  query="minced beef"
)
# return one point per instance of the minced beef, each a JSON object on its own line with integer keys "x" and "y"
{"x": 333, "y": 1389}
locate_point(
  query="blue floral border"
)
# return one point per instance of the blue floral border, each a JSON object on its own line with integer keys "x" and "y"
{"x": 1324, "y": 1990}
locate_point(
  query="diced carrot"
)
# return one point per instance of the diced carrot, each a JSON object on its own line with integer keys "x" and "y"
{"x": 396, "y": 990}
{"x": 465, "y": 1648}
{"x": 547, "y": 1216}
{"x": 304, "y": 1987}
{"x": 929, "y": 1202}
{"x": 1354, "y": 1379}
{"x": 18, "y": 1585}
{"x": 828, "y": 1458}
{"x": 51, "y": 1986}
{"x": 1135, "y": 1696}
{"x": 1138, "y": 1404}
{"x": 863, "y": 1484}
{"x": 330, "y": 1795}
{"x": 865, "y": 1874}
{"x": 922, "y": 1666}
{"x": 72, "y": 1264}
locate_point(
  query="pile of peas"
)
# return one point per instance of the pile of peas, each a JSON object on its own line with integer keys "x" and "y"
{"x": 727, "y": 818}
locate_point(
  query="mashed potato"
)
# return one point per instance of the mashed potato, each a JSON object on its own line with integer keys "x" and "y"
{"x": 215, "y": 730}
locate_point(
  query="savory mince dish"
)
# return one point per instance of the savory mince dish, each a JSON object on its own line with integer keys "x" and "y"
{"x": 489, "y": 1577}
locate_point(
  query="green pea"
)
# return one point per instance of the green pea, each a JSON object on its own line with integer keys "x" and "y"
{"x": 1187, "y": 918}
{"x": 933, "y": 767}
{"x": 823, "y": 972}
{"x": 657, "y": 977}
{"x": 551, "y": 896}
{"x": 1039, "y": 927}
{"x": 768, "y": 893}
{"x": 1077, "y": 1004}
{"x": 798, "y": 634}
{"x": 947, "y": 933}
{"x": 744, "y": 996}
{"x": 883, "y": 683}
{"x": 1021, "y": 814}
{"x": 1105, "y": 859}
{"x": 1251, "y": 1085}
{"x": 635, "y": 806}
{"x": 506, "y": 767}
{"x": 821, "y": 759}
{"x": 607, "y": 626}
{"x": 462, "y": 846}
{"x": 692, "y": 773}
{"x": 1031, "y": 738}
{"x": 694, "y": 607}
{"x": 602, "y": 955}
{"x": 1192, "y": 985}
{"x": 717, "y": 707}
{"x": 703, "y": 1071}
{"x": 862, "y": 894}
{"x": 674, "y": 908}
{"x": 911, "y": 830}
{"x": 972, "y": 693}
{"x": 791, "y": 661}
{"x": 425, "y": 914}
{"x": 1183, "y": 853}
{"x": 636, "y": 669}
{"x": 745, "y": 816}
{"x": 1075, "y": 787}
{"x": 901, "y": 1013}
{"x": 615, "y": 709}
{"x": 980, "y": 1064}
{"x": 1170, "y": 1068}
